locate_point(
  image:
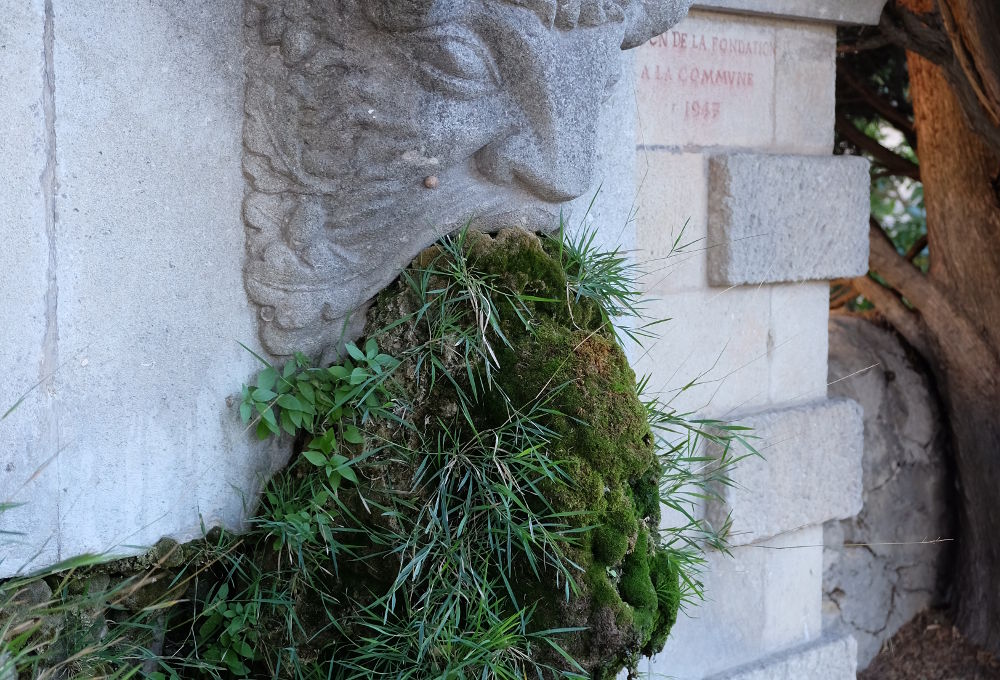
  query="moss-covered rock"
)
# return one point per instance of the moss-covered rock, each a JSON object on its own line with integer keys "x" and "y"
{"x": 627, "y": 588}
{"x": 313, "y": 589}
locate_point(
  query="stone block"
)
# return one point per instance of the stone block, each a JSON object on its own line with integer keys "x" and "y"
{"x": 671, "y": 235}
{"x": 27, "y": 435}
{"x": 710, "y": 355}
{"x": 759, "y": 600}
{"x": 780, "y": 218}
{"x": 708, "y": 81}
{"x": 830, "y": 658}
{"x": 797, "y": 342}
{"x": 809, "y": 471}
{"x": 148, "y": 250}
{"x": 834, "y": 11}
{"x": 805, "y": 77}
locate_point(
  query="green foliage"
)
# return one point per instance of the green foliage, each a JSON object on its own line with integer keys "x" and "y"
{"x": 475, "y": 491}
{"x": 873, "y": 95}
{"x": 605, "y": 277}
{"x": 229, "y": 631}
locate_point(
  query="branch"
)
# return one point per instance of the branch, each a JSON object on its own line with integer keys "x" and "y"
{"x": 879, "y": 104}
{"x": 892, "y": 161}
{"x": 928, "y": 35}
{"x": 874, "y": 42}
{"x": 900, "y": 273}
{"x": 903, "y": 319}
{"x": 920, "y": 33}
{"x": 935, "y": 321}
{"x": 972, "y": 29}
{"x": 917, "y": 248}
{"x": 842, "y": 292}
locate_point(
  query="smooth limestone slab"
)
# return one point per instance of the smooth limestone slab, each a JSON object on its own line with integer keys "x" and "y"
{"x": 708, "y": 81}
{"x": 670, "y": 221}
{"x": 806, "y": 65}
{"x": 724, "y": 81}
{"x": 758, "y": 600}
{"x": 146, "y": 257}
{"x": 797, "y": 342}
{"x": 710, "y": 356}
{"x": 809, "y": 471}
{"x": 776, "y": 218}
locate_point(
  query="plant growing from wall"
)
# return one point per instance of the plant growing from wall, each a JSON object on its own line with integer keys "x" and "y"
{"x": 476, "y": 491}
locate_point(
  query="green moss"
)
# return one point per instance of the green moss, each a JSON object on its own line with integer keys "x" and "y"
{"x": 666, "y": 582}
{"x": 637, "y": 585}
{"x": 611, "y": 537}
{"x": 627, "y": 592}
{"x": 604, "y": 443}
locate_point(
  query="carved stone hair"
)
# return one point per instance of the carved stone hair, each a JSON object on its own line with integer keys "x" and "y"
{"x": 643, "y": 18}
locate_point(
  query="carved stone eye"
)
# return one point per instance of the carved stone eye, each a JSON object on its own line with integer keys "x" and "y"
{"x": 454, "y": 60}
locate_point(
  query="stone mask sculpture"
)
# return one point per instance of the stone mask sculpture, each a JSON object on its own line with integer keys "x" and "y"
{"x": 373, "y": 127}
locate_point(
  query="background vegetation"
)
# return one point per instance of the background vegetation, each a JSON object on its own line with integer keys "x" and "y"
{"x": 920, "y": 96}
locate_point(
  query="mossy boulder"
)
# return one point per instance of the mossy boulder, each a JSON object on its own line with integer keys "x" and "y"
{"x": 304, "y": 591}
{"x": 627, "y": 589}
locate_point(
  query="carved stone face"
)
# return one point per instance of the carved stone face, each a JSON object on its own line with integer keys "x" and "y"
{"x": 352, "y": 105}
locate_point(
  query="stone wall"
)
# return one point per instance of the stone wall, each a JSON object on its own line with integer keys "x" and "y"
{"x": 871, "y": 590}
{"x": 734, "y": 136}
{"x": 121, "y": 272}
{"x": 124, "y": 301}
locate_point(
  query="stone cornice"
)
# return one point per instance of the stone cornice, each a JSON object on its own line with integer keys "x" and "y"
{"x": 832, "y": 11}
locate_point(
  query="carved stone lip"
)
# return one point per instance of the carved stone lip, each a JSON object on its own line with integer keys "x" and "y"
{"x": 537, "y": 218}
{"x": 302, "y": 308}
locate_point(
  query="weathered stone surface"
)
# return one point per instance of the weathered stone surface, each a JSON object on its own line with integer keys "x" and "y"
{"x": 872, "y": 591}
{"x": 147, "y": 254}
{"x": 809, "y": 471}
{"x": 351, "y": 106}
{"x": 797, "y": 341}
{"x": 806, "y": 64}
{"x": 825, "y": 659}
{"x": 709, "y": 81}
{"x": 608, "y": 207}
{"x": 710, "y": 355}
{"x": 776, "y": 218}
{"x": 27, "y": 437}
{"x": 759, "y": 600}
{"x": 836, "y": 11}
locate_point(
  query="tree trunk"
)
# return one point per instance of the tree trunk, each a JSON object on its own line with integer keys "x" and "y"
{"x": 957, "y": 319}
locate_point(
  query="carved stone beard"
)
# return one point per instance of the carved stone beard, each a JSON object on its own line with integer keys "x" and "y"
{"x": 346, "y": 119}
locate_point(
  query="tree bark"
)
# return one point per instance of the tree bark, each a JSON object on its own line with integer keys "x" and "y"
{"x": 953, "y": 313}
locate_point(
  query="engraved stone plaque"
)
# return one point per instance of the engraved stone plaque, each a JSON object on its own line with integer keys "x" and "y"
{"x": 707, "y": 82}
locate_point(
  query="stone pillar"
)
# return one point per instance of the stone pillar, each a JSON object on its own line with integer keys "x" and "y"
{"x": 121, "y": 271}
{"x": 734, "y": 139}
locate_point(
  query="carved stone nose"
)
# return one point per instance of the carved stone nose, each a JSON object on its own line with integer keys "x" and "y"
{"x": 551, "y": 168}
